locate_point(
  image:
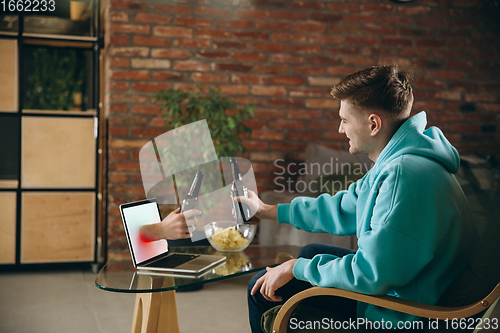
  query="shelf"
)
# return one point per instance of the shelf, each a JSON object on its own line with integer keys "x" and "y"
{"x": 89, "y": 113}
{"x": 49, "y": 159}
{"x": 9, "y": 183}
{"x": 57, "y": 79}
{"x": 8, "y": 33}
{"x": 61, "y": 43}
{"x": 68, "y": 38}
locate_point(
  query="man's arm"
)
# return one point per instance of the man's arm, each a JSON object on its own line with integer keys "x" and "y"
{"x": 330, "y": 214}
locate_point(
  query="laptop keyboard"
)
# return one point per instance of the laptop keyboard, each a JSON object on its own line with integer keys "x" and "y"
{"x": 174, "y": 260}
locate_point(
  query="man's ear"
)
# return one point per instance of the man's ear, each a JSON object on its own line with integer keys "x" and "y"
{"x": 375, "y": 123}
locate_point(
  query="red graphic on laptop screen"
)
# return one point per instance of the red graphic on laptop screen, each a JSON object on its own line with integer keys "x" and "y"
{"x": 136, "y": 217}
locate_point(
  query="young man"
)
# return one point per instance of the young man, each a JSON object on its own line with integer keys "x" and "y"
{"x": 408, "y": 212}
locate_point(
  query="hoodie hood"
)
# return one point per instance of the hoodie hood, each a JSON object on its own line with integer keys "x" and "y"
{"x": 413, "y": 138}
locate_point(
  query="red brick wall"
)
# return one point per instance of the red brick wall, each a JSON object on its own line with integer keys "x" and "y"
{"x": 284, "y": 56}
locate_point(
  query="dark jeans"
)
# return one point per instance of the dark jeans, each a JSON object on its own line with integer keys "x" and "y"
{"x": 258, "y": 305}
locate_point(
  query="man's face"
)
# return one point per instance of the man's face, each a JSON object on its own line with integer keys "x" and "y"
{"x": 356, "y": 126}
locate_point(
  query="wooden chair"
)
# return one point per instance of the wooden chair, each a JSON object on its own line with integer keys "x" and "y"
{"x": 474, "y": 293}
{"x": 422, "y": 310}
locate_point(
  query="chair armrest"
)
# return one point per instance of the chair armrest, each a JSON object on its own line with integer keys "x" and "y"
{"x": 389, "y": 302}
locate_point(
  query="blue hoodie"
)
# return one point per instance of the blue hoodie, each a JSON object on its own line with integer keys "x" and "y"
{"x": 412, "y": 220}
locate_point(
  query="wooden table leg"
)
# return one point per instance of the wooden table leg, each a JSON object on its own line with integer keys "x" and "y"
{"x": 155, "y": 312}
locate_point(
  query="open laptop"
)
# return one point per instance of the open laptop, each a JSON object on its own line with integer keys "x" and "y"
{"x": 155, "y": 256}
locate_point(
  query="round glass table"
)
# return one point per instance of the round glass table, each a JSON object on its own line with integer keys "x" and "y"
{"x": 155, "y": 307}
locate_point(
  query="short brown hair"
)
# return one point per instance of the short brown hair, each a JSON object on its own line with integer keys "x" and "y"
{"x": 384, "y": 88}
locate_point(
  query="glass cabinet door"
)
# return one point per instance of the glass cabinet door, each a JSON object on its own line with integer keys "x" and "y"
{"x": 57, "y": 78}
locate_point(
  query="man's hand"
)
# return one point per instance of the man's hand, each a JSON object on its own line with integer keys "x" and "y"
{"x": 175, "y": 226}
{"x": 275, "y": 278}
{"x": 257, "y": 207}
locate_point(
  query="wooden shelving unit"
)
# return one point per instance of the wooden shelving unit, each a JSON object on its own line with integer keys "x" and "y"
{"x": 50, "y": 159}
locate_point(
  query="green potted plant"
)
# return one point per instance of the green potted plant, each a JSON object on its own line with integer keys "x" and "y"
{"x": 225, "y": 120}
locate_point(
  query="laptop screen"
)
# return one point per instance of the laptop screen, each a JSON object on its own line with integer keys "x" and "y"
{"x": 135, "y": 215}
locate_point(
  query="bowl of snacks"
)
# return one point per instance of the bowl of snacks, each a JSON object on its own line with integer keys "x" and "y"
{"x": 227, "y": 236}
